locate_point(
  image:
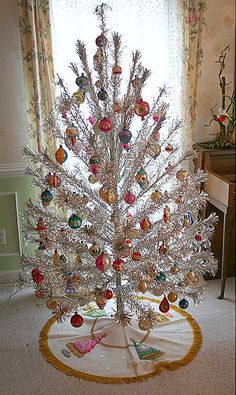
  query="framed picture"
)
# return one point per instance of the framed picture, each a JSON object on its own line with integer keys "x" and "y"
{"x": 10, "y": 244}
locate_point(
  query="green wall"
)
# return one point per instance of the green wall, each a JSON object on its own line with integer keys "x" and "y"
{"x": 21, "y": 185}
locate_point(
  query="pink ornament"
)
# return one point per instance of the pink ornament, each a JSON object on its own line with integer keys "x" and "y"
{"x": 91, "y": 120}
{"x": 156, "y": 117}
{"x": 64, "y": 115}
{"x": 129, "y": 198}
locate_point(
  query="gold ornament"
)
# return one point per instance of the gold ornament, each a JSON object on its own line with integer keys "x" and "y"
{"x": 174, "y": 269}
{"x": 75, "y": 279}
{"x": 142, "y": 286}
{"x": 56, "y": 259}
{"x": 156, "y": 196}
{"x": 51, "y": 304}
{"x": 179, "y": 200}
{"x": 102, "y": 192}
{"x": 163, "y": 249}
{"x": 186, "y": 221}
{"x": 101, "y": 301}
{"x": 92, "y": 179}
{"x": 110, "y": 197}
{"x": 79, "y": 96}
{"x": 191, "y": 277}
{"x": 172, "y": 296}
{"x": 144, "y": 324}
{"x": 94, "y": 250}
{"x": 182, "y": 175}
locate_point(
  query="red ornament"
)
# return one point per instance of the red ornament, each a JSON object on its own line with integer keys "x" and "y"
{"x": 108, "y": 294}
{"x": 169, "y": 148}
{"x": 164, "y": 305}
{"x": 95, "y": 169}
{"x": 141, "y": 109}
{"x": 35, "y": 271}
{"x": 53, "y": 180}
{"x": 117, "y": 106}
{"x": 128, "y": 243}
{"x": 101, "y": 41}
{"x": 126, "y": 147}
{"x": 118, "y": 265}
{"x": 40, "y": 225}
{"x": 145, "y": 224}
{"x": 166, "y": 215}
{"x": 103, "y": 262}
{"x": 221, "y": 118}
{"x": 105, "y": 125}
{"x": 116, "y": 70}
{"x": 129, "y": 198}
{"x": 136, "y": 256}
{"x": 198, "y": 237}
{"x": 38, "y": 277}
{"x": 76, "y": 320}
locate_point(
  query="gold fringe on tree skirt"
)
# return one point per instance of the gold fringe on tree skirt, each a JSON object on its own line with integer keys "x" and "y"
{"x": 196, "y": 345}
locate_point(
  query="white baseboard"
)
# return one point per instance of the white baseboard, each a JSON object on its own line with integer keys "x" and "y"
{"x": 9, "y": 276}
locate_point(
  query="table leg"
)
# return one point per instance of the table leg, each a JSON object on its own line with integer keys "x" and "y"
{"x": 227, "y": 229}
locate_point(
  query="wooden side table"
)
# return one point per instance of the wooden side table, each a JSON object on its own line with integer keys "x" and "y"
{"x": 220, "y": 187}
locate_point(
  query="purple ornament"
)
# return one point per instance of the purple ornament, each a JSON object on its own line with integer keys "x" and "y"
{"x": 125, "y": 136}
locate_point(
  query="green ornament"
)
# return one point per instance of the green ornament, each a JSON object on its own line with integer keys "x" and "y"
{"x": 161, "y": 276}
{"x": 141, "y": 178}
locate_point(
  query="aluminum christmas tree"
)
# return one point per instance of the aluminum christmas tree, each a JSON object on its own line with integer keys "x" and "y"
{"x": 125, "y": 219}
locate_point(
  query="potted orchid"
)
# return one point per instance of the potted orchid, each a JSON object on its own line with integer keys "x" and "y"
{"x": 225, "y": 117}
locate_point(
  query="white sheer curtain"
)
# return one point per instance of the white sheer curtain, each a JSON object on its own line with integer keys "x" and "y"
{"x": 154, "y": 27}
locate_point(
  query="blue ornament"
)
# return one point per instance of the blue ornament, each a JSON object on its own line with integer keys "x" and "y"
{"x": 75, "y": 221}
{"x": 82, "y": 81}
{"x": 161, "y": 276}
{"x": 183, "y": 304}
{"x": 190, "y": 218}
{"x": 102, "y": 94}
{"x": 46, "y": 197}
{"x": 66, "y": 353}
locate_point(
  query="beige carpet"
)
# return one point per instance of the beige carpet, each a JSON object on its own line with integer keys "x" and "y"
{"x": 23, "y": 370}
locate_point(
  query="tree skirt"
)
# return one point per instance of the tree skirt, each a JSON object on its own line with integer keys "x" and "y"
{"x": 102, "y": 350}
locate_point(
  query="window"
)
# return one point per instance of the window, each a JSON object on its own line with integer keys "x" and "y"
{"x": 154, "y": 27}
